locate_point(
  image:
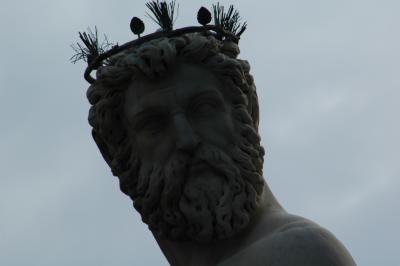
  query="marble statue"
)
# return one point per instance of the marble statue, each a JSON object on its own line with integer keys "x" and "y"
{"x": 176, "y": 119}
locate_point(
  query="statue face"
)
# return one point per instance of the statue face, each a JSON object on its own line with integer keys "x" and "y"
{"x": 182, "y": 138}
{"x": 193, "y": 176}
{"x": 177, "y": 113}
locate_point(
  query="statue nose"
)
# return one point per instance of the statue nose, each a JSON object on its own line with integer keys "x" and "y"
{"x": 186, "y": 139}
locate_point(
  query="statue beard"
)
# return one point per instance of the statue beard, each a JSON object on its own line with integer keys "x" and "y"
{"x": 203, "y": 197}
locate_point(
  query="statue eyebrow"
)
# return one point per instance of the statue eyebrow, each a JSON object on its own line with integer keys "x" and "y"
{"x": 150, "y": 110}
{"x": 160, "y": 109}
{"x": 206, "y": 93}
{"x": 147, "y": 105}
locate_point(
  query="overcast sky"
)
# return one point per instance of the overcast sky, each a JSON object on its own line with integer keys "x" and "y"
{"x": 327, "y": 74}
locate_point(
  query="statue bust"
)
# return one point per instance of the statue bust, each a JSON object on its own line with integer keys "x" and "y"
{"x": 176, "y": 119}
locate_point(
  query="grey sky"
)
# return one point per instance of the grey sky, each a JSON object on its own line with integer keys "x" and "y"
{"x": 327, "y": 74}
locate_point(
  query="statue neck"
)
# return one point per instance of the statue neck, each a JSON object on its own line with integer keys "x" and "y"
{"x": 190, "y": 253}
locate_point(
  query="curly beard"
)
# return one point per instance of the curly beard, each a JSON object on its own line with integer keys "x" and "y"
{"x": 204, "y": 197}
{"x": 207, "y": 196}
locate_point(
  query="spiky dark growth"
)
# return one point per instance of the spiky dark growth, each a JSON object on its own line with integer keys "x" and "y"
{"x": 163, "y": 13}
{"x": 137, "y": 26}
{"x": 203, "y": 16}
{"x": 91, "y": 47}
{"x": 230, "y": 20}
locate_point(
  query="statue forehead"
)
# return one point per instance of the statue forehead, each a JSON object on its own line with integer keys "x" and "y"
{"x": 180, "y": 83}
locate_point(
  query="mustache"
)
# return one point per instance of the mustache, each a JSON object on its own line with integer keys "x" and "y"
{"x": 164, "y": 184}
{"x": 205, "y": 155}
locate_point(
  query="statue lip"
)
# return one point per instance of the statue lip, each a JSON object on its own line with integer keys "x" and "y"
{"x": 198, "y": 166}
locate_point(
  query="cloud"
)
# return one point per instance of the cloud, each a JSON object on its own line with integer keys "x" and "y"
{"x": 327, "y": 77}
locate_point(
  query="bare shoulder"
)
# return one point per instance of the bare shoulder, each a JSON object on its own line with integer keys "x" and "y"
{"x": 305, "y": 243}
{"x": 296, "y": 243}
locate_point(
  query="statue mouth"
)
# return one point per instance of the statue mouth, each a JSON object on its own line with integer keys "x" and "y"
{"x": 197, "y": 167}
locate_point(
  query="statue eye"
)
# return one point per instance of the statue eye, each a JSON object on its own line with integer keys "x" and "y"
{"x": 150, "y": 124}
{"x": 204, "y": 106}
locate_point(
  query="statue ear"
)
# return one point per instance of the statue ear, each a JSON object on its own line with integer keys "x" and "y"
{"x": 103, "y": 148}
{"x": 255, "y": 112}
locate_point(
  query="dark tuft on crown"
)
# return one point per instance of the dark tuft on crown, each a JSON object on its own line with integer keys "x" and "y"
{"x": 163, "y": 13}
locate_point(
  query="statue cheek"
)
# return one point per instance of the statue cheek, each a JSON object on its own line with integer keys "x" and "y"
{"x": 218, "y": 131}
{"x": 155, "y": 149}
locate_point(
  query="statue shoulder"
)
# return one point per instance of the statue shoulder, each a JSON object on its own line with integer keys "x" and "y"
{"x": 296, "y": 243}
{"x": 305, "y": 243}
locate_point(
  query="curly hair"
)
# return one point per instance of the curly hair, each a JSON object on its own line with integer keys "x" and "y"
{"x": 153, "y": 60}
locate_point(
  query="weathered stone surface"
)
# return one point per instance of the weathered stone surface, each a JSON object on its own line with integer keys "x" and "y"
{"x": 177, "y": 121}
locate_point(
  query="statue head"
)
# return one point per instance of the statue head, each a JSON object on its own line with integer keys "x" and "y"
{"x": 177, "y": 122}
{"x": 175, "y": 115}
